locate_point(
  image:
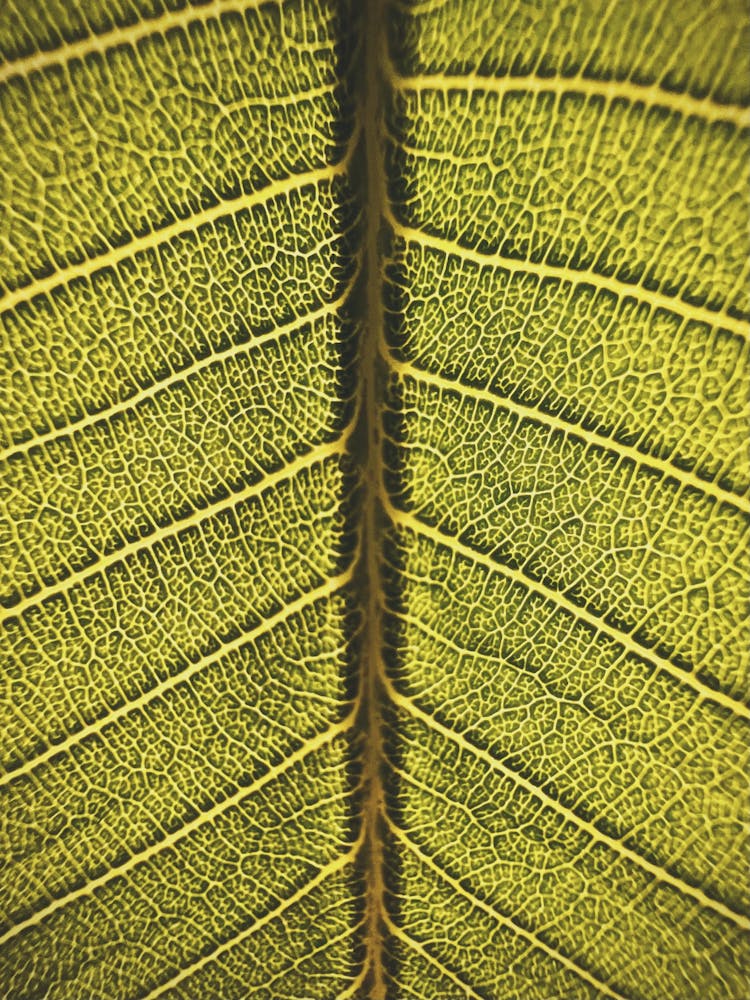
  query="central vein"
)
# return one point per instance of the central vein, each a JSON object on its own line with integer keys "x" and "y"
{"x": 370, "y": 362}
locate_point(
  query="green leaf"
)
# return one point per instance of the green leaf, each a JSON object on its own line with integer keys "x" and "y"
{"x": 374, "y": 499}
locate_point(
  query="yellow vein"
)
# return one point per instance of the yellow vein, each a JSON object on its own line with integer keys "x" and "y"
{"x": 526, "y": 411}
{"x": 96, "y": 727}
{"x": 657, "y": 300}
{"x": 450, "y": 542}
{"x": 495, "y": 660}
{"x": 325, "y": 872}
{"x": 321, "y": 740}
{"x": 658, "y": 872}
{"x": 130, "y": 35}
{"x": 609, "y": 90}
{"x": 234, "y": 350}
{"x": 351, "y": 932}
{"x": 356, "y": 984}
{"x": 230, "y": 206}
{"x": 421, "y": 950}
{"x": 539, "y": 943}
{"x": 161, "y": 534}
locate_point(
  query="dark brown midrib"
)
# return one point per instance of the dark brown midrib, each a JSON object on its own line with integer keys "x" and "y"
{"x": 373, "y": 27}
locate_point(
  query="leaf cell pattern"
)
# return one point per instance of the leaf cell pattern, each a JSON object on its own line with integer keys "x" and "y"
{"x": 565, "y": 463}
{"x": 180, "y": 250}
{"x": 374, "y": 499}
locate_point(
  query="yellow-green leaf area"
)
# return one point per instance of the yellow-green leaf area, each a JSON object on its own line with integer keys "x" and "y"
{"x": 565, "y": 461}
{"x": 179, "y": 779}
{"x": 374, "y": 512}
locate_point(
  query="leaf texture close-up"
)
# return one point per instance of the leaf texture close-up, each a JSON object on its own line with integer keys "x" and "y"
{"x": 374, "y": 499}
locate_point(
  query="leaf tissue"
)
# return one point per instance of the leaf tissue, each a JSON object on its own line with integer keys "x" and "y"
{"x": 374, "y": 499}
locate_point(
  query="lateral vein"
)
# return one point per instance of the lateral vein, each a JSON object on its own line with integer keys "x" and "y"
{"x": 161, "y": 534}
{"x": 658, "y": 872}
{"x": 179, "y": 375}
{"x": 130, "y": 35}
{"x": 610, "y": 90}
{"x": 734, "y": 705}
{"x": 622, "y": 289}
{"x": 97, "y": 727}
{"x": 539, "y": 943}
{"x": 419, "y": 948}
{"x": 528, "y": 412}
{"x": 325, "y": 872}
{"x": 171, "y": 839}
{"x": 187, "y": 224}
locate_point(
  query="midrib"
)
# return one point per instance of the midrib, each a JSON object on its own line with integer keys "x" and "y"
{"x": 373, "y": 198}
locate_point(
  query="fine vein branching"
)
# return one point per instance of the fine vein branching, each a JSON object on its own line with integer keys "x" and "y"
{"x": 374, "y": 518}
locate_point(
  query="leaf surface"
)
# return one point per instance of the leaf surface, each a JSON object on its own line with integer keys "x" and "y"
{"x": 180, "y": 245}
{"x": 374, "y": 499}
{"x": 566, "y": 469}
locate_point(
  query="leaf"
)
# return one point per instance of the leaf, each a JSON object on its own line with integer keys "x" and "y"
{"x": 374, "y": 499}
